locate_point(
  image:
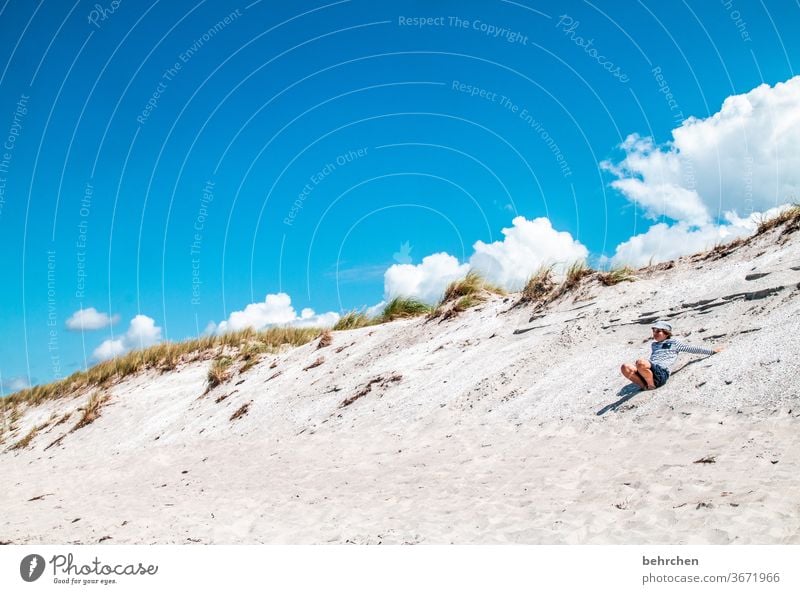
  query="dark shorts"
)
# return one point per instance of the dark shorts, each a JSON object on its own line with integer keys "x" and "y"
{"x": 660, "y": 374}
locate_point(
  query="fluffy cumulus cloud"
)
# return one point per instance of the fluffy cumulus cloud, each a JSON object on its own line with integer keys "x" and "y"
{"x": 664, "y": 242}
{"x": 526, "y": 246}
{"x": 90, "y": 319}
{"x": 142, "y": 332}
{"x": 743, "y": 159}
{"x": 275, "y": 310}
{"x": 425, "y": 281}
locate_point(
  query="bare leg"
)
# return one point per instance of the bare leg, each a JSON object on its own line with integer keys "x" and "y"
{"x": 644, "y": 369}
{"x": 629, "y": 371}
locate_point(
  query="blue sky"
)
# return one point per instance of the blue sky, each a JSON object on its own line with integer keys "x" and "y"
{"x": 179, "y": 161}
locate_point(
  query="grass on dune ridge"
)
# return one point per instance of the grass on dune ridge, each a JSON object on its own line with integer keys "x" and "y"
{"x": 165, "y": 357}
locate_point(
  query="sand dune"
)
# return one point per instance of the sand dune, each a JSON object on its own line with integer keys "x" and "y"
{"x": 496, "y": 426}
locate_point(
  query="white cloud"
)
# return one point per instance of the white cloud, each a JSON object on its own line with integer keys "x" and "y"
{"x": 527, "y": 245}
{"x": 425, "y": 281}
{"x": 142, "y": 332}
{"x": 275, "y": 310}
{"x": 308, "y": 319}
{"x": 14, "y": 384}
{"x": 90, "y": 319}
{"x": 376, "y": 309}
{"x": 663, "y": 242}
{"x": 744, "y": 158}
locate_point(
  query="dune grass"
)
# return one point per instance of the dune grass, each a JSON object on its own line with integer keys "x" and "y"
{"x": 91, "y": 410}
{"x": 617, "y": 275}
{"x": 463, "y": 294}
{"x": 354, "y": 319}
{"x": 25, "y": 441}
{"x": 404, "y": 307}
{"x": 789, "y": 217}
{"x": 472, "y": 285}
{"x": 165, "y": 357}
{"x": 219, "y": 372}
{"x": 575, "y": 273}
{"x": 539, "y": 285}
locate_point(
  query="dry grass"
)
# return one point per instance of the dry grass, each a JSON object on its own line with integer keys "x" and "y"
{"x": 251, "y": 355}
{"x": 789, "y": 217}
{"x": 539, "y": 286}
{"x": 241, "y": 411}
{"x": 219, "y": 372}
{"x": 25, "y": 441}
{"x": 472, "y": 285}
{"x": 165, "y": 356}
{"x": 404, "y": 307}
{"x": 616, "y": 276}
{"x": 319, "y": 361}
{"x": 575, "y": 274}
{"x": 325, "y": 339}
{"x": 463, "y": 294}
{"x": 91, "y": 410}
{"x": 354, "y": 319}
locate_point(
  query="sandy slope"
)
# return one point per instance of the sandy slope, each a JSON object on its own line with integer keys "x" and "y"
{"x": 468, "y": 433}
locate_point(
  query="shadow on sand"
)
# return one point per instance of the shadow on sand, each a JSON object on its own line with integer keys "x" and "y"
{"x": 624, "y": 394}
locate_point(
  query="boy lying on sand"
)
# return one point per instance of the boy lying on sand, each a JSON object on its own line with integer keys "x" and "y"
{"x": 654, "y": 373}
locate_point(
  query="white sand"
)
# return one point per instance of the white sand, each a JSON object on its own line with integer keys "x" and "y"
{"x": 488, "y": 436}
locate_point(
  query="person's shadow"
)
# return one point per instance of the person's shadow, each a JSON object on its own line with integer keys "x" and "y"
{"x": 625, "y": 394}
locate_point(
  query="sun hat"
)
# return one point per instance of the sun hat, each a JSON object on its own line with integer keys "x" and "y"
{"x": 661, "y": 325}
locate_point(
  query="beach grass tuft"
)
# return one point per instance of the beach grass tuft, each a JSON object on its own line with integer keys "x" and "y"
{"x": 91, "y": 410}
{"x": 789, "y": 217}
{"x": 404, "y": 307}
{"x": 617, "y": 275}
{"x": 539, "y": 285}
{"x": 219, "y": 372}
{"x": 354, "y": 319}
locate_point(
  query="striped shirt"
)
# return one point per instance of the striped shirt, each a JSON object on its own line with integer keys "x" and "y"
{"x": 665, "y": 352}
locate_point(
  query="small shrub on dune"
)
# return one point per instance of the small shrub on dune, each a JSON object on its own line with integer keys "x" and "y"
{"x": 404, "y": 307}
{"x": 617, "y": 275}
